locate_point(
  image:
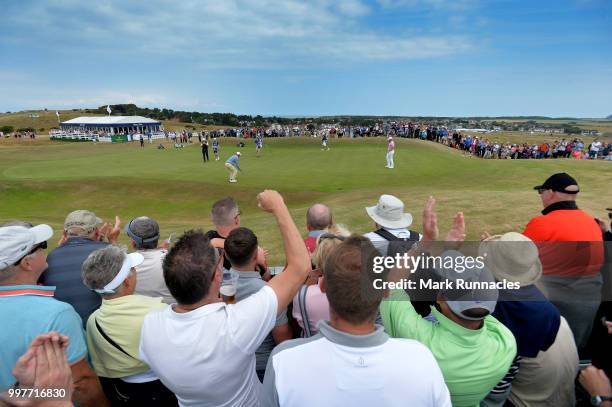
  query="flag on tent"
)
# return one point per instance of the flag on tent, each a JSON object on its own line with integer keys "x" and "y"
{"x": 108, "y": 109}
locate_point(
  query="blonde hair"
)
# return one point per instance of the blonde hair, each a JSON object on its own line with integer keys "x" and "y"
{"x": 325, "y": 246}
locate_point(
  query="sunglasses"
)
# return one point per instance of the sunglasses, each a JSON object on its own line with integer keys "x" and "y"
{"x": 331, "y": 236}
{"x": 542, "y": 190}
{"x": 42, "y": 245}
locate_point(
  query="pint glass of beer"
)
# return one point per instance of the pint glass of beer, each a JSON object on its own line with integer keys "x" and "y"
{"x": 228, "y": 286}
{"x": 228, "y": 293}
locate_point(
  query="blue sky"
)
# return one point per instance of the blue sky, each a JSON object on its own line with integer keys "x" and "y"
{"x": 319, "y": 57}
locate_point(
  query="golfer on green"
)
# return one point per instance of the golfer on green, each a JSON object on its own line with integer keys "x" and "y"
{"x": 233, "y": 166}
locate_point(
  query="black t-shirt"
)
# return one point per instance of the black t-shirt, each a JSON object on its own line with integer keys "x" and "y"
{"x": 213, "y": 234}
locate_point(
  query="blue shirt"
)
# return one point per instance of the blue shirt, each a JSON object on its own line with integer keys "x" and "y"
{"x": 533, "y": 320}
{"x": 234, "y": 161}
{"x": 64, "y": 272}
{"x": 27, "y": 311}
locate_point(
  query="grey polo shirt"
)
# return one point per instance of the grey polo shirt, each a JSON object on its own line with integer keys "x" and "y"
{"x": 250, "y": 282}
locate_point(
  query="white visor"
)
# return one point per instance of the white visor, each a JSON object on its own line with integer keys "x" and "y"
{"x": 130, "y": 260}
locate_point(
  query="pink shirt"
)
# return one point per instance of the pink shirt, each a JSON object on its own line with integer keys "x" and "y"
{"x": 317, "y": 308}
{"x": 391, "y": 146}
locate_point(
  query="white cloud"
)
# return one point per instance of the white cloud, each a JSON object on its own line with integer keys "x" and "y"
{"x": 353, "y": 8}
{"x": 228, "y": 33}
{"x": 452, "y": 5}
{"x": 371, "y": 47}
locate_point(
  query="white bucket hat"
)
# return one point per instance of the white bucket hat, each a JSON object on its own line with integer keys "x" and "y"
{"x": 389, "y": 213}
{"x": 512, "y": 256}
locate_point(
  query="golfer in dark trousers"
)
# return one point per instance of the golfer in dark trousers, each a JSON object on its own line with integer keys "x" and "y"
{"x": 205, "y": 151}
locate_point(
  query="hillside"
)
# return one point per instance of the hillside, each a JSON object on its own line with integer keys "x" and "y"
{"x": 47, "y": 120}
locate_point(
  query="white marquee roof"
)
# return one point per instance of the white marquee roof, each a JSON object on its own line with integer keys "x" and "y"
{"x": 111, "y": 120}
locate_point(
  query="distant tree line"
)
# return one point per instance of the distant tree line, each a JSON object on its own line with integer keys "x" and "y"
{"x": 234, "y": 120}
{"x": 220, "y": 119}
{"x": 231, "y": 119}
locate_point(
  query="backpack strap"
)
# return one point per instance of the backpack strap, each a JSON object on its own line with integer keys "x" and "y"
{"x": 385, "y": 234}
{"x": 109, "y": 340}
{"x": 302, "y": 304}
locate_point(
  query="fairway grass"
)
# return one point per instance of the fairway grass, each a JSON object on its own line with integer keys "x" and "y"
{"x": 42, "y": 182}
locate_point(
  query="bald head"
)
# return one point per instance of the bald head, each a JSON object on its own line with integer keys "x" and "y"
{"x": 318, "y": 217}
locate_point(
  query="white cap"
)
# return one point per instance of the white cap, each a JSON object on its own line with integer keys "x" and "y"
{"x": 238, "y": 153}
{"x": 17, "y": 241}
{"x": 130, "y": 260}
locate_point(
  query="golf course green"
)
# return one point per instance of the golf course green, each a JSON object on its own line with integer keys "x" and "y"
{"x": 41, "y": 181}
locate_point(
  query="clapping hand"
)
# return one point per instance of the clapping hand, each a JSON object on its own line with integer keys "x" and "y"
{"x": 113, "y": 235}
{"x": 456, "y": 234}
{"x": 45, "y": 365}
{"x": 430, "y": 221}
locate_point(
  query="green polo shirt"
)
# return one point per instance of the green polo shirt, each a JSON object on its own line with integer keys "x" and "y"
{"x": 472, "y": 361}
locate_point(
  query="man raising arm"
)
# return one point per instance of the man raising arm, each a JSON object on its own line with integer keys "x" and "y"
{"x": 286, "y": 284}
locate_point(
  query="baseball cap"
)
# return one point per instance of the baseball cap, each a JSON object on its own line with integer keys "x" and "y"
{"x": 475, "y": 279}
{"x": 238, "y": 153}
{"x": 129, "y": 261}
{"x": 142, "y": 230}
{"x": 560, "y": 182}
{"x": 82, "y": 219}
{"x": 17, "y": 241}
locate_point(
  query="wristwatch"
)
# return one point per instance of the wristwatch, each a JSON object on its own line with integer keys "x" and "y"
{"x": 597, "y": 400}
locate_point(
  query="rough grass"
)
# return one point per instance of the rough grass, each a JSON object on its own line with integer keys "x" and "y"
{"x": 42, "y": 182}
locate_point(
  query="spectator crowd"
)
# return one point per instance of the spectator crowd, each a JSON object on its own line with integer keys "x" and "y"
{"x": 205, "y": 321}
{"x": 482, "y": 147}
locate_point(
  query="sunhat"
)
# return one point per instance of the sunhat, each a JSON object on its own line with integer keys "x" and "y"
{"x": 389, "y": 213}
{"x": 513, "y": 257}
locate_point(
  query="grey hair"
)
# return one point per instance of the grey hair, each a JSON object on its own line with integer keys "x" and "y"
{"x": 224, "y": 211}
{"x": 101, "y": 266}
{"x": 79, "y": 232}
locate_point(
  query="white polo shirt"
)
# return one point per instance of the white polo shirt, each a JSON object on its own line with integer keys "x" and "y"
{"x": 207, "y": 356}
{"x": 334, "y": 368}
